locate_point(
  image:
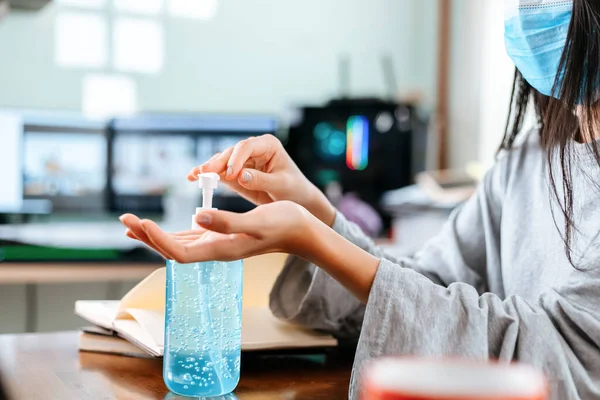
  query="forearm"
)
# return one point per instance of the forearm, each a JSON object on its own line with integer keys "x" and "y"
{"x": 319, "y": 205}
{"x": 351, "y": 266}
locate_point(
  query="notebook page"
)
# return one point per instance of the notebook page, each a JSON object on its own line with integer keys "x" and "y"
{"x": 131, "y": 330}
{"x": 149, "y": 294}
{"x": 151, "y": 321}
{"x": 101, "y": 313}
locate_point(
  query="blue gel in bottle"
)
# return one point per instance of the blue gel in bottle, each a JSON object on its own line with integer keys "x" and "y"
{"x": 203, "y": 326}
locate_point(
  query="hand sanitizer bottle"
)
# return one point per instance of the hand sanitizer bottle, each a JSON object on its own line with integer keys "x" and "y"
{"x": 203, "y": 320}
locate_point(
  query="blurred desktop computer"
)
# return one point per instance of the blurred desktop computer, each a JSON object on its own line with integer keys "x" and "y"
{"x": 366, "y": 146}
{"x": 64, "y": 160}
{"x": 79, "y": 165}
{"x": 150, "y": 156}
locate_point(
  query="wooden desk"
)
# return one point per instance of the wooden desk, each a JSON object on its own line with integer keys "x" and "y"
{"x": 49, "y": 367}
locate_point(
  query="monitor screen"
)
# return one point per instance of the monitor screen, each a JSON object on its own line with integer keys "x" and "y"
{"x": 66, "y": 163}
{"x": 363, "y": 146}
{"x": 151, "y": 156}
{"x": 148, "y": 165}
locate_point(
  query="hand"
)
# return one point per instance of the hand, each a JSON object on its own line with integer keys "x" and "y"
{"x": 260, "y": 170}
{"x": 225, "y": 236}
{"x": 277, "y": 227}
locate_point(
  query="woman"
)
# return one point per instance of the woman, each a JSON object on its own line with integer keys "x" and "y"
{"x": 514, "y": 273}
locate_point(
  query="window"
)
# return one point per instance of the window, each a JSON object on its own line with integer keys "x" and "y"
{"x": 146, "y": 7}
{"x": 197, "y": 9}
{"x": 127, "y": 35}
{"x": 80, "y": 40}
{"x": 92, "y": 4}
{"x": 138, "y": 45}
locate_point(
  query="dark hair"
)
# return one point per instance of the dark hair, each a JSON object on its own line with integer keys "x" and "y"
{"x": 3, "y": 394}
{"x": 571, "y": 117}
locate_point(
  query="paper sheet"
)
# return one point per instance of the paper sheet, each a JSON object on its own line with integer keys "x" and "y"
{"x": 149, "y": 294}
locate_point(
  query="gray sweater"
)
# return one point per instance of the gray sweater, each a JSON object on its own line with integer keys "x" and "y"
{"x": 494, "y": 284}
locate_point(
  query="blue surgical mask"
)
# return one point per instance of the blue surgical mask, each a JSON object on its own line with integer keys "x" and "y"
{"x": 535, "y": 36}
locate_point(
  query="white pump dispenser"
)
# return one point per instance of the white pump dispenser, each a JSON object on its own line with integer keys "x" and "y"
{"x": 208, "y": 182}
{"x": 203, "y": 320}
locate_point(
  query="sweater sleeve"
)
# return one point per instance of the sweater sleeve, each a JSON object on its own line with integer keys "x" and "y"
{"x": 408, "y": 314}
{"x": 306, "y": 295}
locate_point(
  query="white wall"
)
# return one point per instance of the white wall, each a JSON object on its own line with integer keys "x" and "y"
{"x": 497, "y": 79}
{"x": 481, "y": 81}
{"x": 254, "y": 56}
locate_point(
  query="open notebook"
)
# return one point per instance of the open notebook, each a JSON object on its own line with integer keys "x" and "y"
{"x": 139, "y": 318}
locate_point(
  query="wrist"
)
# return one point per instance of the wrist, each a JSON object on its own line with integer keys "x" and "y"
{"x": 350, "y": 265}
{"x": 319, "y": 205}
{"x": 299, "y": 238}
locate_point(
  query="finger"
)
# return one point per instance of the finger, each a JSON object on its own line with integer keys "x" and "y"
{"x": 191, "y": 232}
{"x": 217, "y": 164}
{"x": 253, "y": 196}
{"x": 190, "y": 238}
{"x": 130, "y": 234}
{"x": 168, "y": 245}
{"x": 253, "y": 179}
{"x": 133, "y": 224}
{"x": 229, "y": 222}
{"x": 263, "y": 146}
{"x": 193, "y": 174}
{"x": 135, "y": 231}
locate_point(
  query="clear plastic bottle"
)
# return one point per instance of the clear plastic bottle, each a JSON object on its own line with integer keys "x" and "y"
{"x": 203, "y": 326}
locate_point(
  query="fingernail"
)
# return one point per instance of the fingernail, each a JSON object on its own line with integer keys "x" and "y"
{"x": 229, "y": 171}
{"x": 246, "y": 176}
{"x": 203, "y": 219}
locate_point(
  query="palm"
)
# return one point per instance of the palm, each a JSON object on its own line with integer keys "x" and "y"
{"x": 196, "y": 241}
{"x": 202, "y": 237}
{"x": 231, "y": 236}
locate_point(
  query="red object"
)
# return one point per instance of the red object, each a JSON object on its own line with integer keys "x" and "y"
{"x": 450, "y": 379}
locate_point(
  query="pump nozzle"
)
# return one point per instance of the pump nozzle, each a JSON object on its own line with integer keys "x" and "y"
{"x": 208, "y": 182}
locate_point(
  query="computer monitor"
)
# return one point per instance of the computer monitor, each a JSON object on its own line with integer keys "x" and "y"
{"x": 366, "y": 146}
{"x": 65, "y": 161}
{"x": 152, "y": 155}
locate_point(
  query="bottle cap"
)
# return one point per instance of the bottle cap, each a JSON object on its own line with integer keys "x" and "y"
{"x": 208, "y": 180}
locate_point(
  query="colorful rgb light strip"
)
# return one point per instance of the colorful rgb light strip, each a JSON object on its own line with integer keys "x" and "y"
{"x": 357, "y": 143}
